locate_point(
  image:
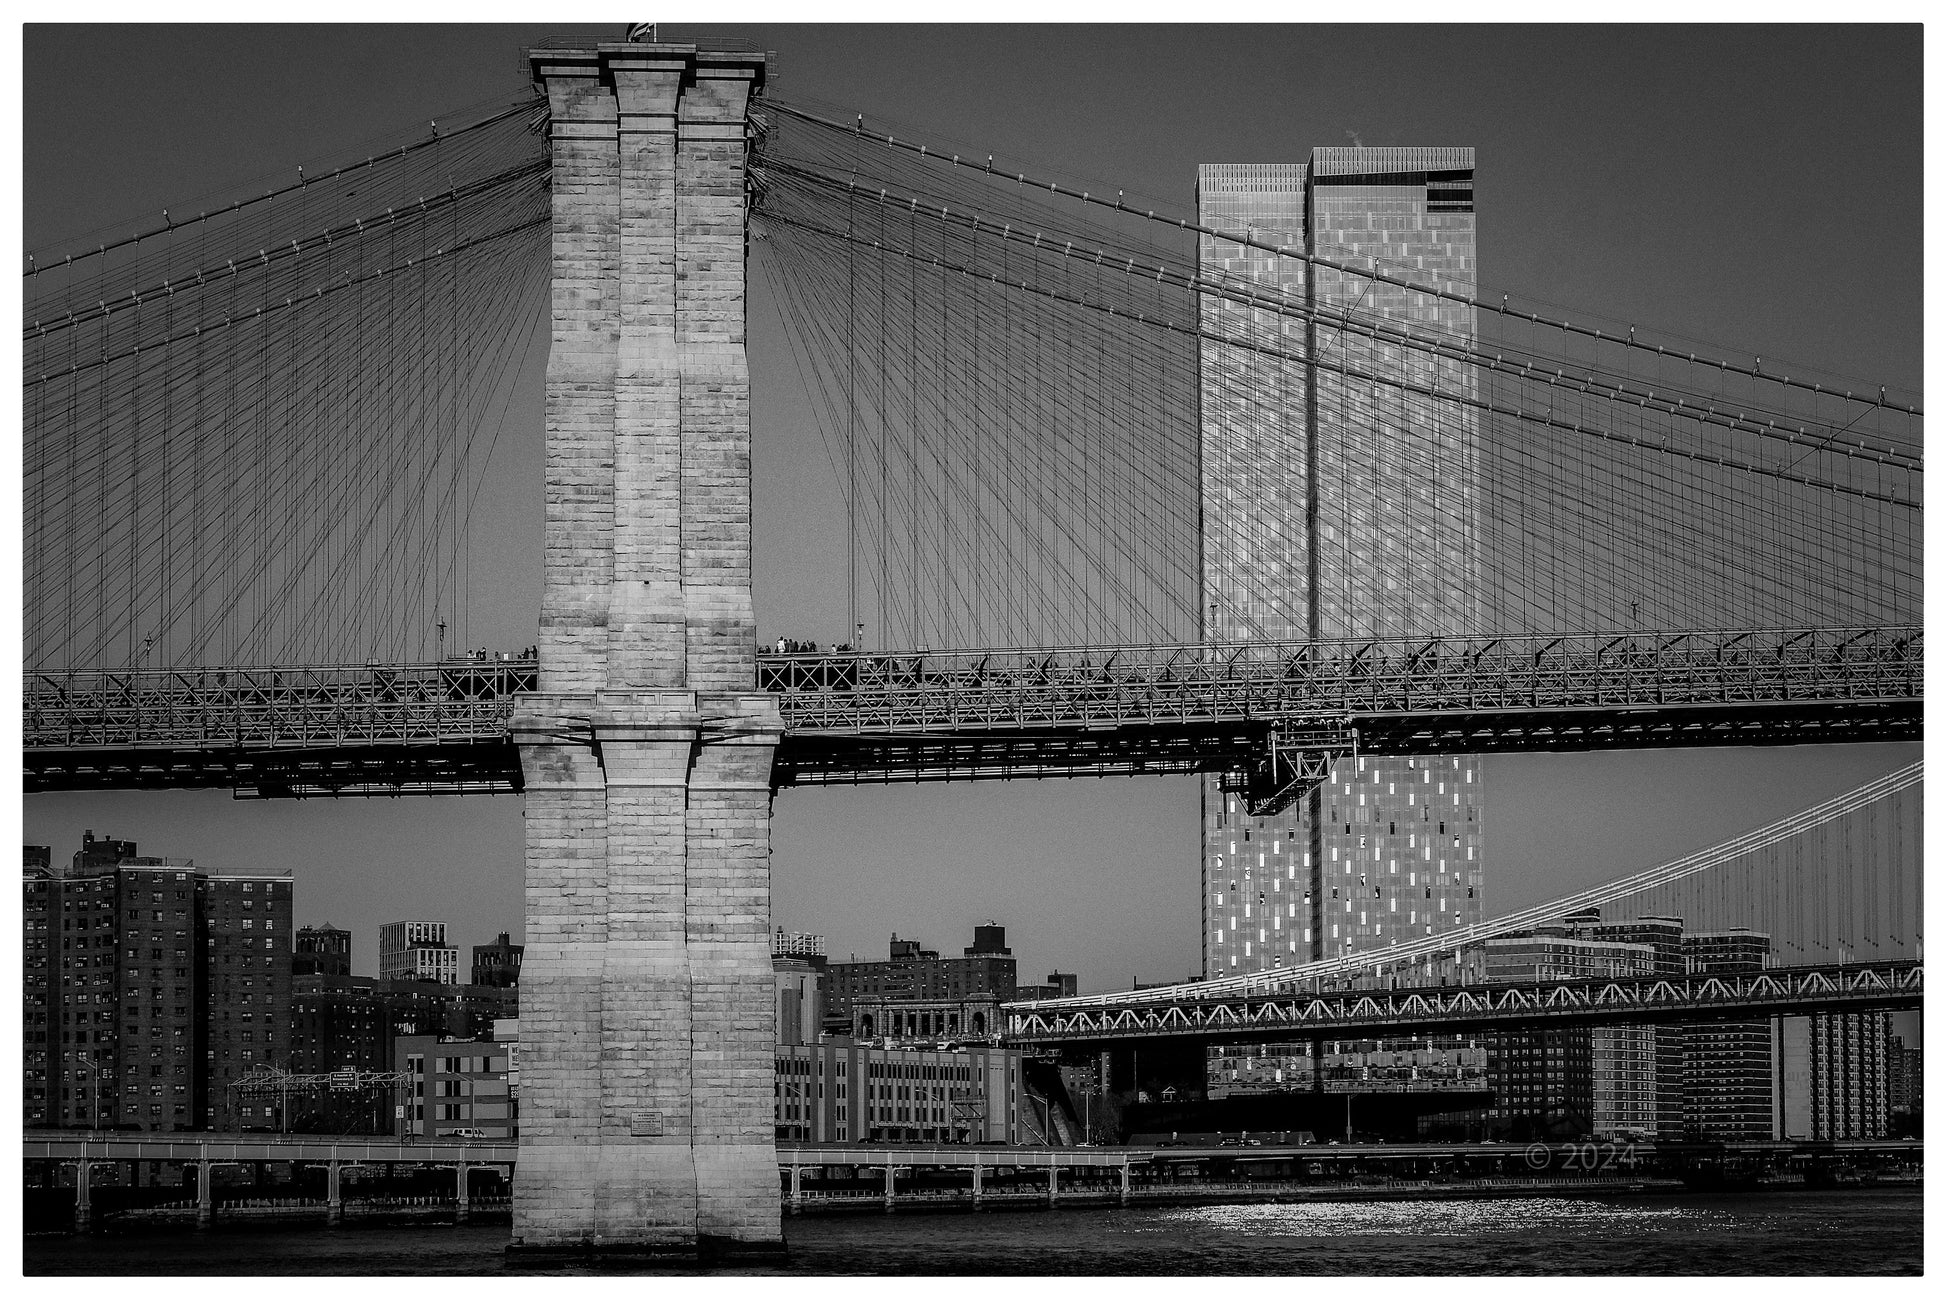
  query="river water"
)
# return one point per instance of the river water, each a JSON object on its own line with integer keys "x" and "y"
{"x": 1860, "y": 1231}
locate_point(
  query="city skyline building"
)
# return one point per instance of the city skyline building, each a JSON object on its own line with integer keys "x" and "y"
{"x": 913, "y": 972}
{"x": 800, "y": 1005}
{"x": 1905, "y": 1087}
{"x": 971, "y": 1016}
{"x": 149, "y": 989}
{"x": 456, "y": 1083}
{"x": 1816, "y": 1077}
{"x": 497, "y": 964}
{"x": 844, "y": 1090}
{"x": 908, "y": 1085}
{"x": 1663, "y": 936}
{"x": 1834, "y": 1076}
{"x": 1301, "y": 542}
{"x": 321, "y": 949}
{"x": 247, "y": 944}
{"x": 1570, "y": 1081}
{"x": 1300, "y": 538}
{"x": 807, "y": 947}
{"x": 417, "y": 950}
{"x": 1729, "y": 1067}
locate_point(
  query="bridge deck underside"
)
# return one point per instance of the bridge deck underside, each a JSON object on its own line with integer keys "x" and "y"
{"x": 433, "y": 767}
{"x": 463, "y": 765}
{"x": 816, "y": 757}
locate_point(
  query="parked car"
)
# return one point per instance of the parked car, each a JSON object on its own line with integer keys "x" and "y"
{"x": 465, "y": 1134}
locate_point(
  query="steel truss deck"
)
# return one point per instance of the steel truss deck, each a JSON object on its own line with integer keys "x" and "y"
{"x": 268, "y": 732}
{"x": 1888, "y": 985}
{"x": 1254, "y": 710}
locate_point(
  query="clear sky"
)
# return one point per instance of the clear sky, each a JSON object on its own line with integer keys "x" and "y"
{"x": 1756, "y": 187}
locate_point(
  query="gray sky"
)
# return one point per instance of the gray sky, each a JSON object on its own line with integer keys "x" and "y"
{"x": 1759, "y": 188}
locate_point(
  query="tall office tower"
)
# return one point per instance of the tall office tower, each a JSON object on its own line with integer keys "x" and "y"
{"x": 417, "y": 950}
{"x": 1338, "y": 505}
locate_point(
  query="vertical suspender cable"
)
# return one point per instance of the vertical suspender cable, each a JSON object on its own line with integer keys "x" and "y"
{"x": 883, "y": 517}
{"x": 851, "y": 425}
{"x": 912, "y": 431}
{"x": 164, "y": 596}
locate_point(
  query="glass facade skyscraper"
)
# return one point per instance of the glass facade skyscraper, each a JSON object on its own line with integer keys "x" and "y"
{"x": 1339, "y": 503}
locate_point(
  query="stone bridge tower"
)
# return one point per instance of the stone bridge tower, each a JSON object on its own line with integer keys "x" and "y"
{"x": 646, "y": 1023}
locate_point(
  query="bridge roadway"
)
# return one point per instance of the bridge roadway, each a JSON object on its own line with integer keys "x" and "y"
{"x": 1170, "y": 1170}
{"x": 957, "y": 715}
{"x": 1295, "y": 1015}
{"x": 254, "y": 1147}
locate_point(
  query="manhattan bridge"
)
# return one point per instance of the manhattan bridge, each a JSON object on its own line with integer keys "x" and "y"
{"x": 255, "y": 434}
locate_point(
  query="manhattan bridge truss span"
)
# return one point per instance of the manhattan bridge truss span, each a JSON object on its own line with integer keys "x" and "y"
{"x": 1836, "y": 889}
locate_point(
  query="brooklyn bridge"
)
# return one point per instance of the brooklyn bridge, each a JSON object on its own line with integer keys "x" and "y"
{"x": 1126, "y": 491}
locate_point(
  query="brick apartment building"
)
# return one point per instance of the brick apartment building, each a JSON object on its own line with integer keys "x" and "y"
{"x": 149, "y": 988}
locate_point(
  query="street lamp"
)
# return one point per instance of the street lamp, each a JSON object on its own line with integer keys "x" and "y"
{"x": 94, "y": 1109}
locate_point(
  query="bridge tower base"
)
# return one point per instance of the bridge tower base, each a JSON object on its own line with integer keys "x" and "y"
{"x": 647, "y": 1028}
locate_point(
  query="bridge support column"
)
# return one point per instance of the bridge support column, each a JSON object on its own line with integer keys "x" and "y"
{"x": 647, "y": 1024}
{"x": 463, "y": 1173}
{"x": 205, "y": 1201}
{"x": 1053, "y": 1184}
{"x": 890, "y": 1178}
{"x": 334, "y": 1201}
{"x": 1125, "y": 1187}
{"x": 84, "y": 1209}
{"x": 977, "y": 1192}
{"x": 797, "y": 1189}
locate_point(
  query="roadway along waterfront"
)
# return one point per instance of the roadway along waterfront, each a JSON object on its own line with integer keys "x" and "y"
{"x": 81, "y": 1182}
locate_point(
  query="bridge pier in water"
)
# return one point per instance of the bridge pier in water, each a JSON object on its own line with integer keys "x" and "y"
{"x": 647, "y": 1030}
